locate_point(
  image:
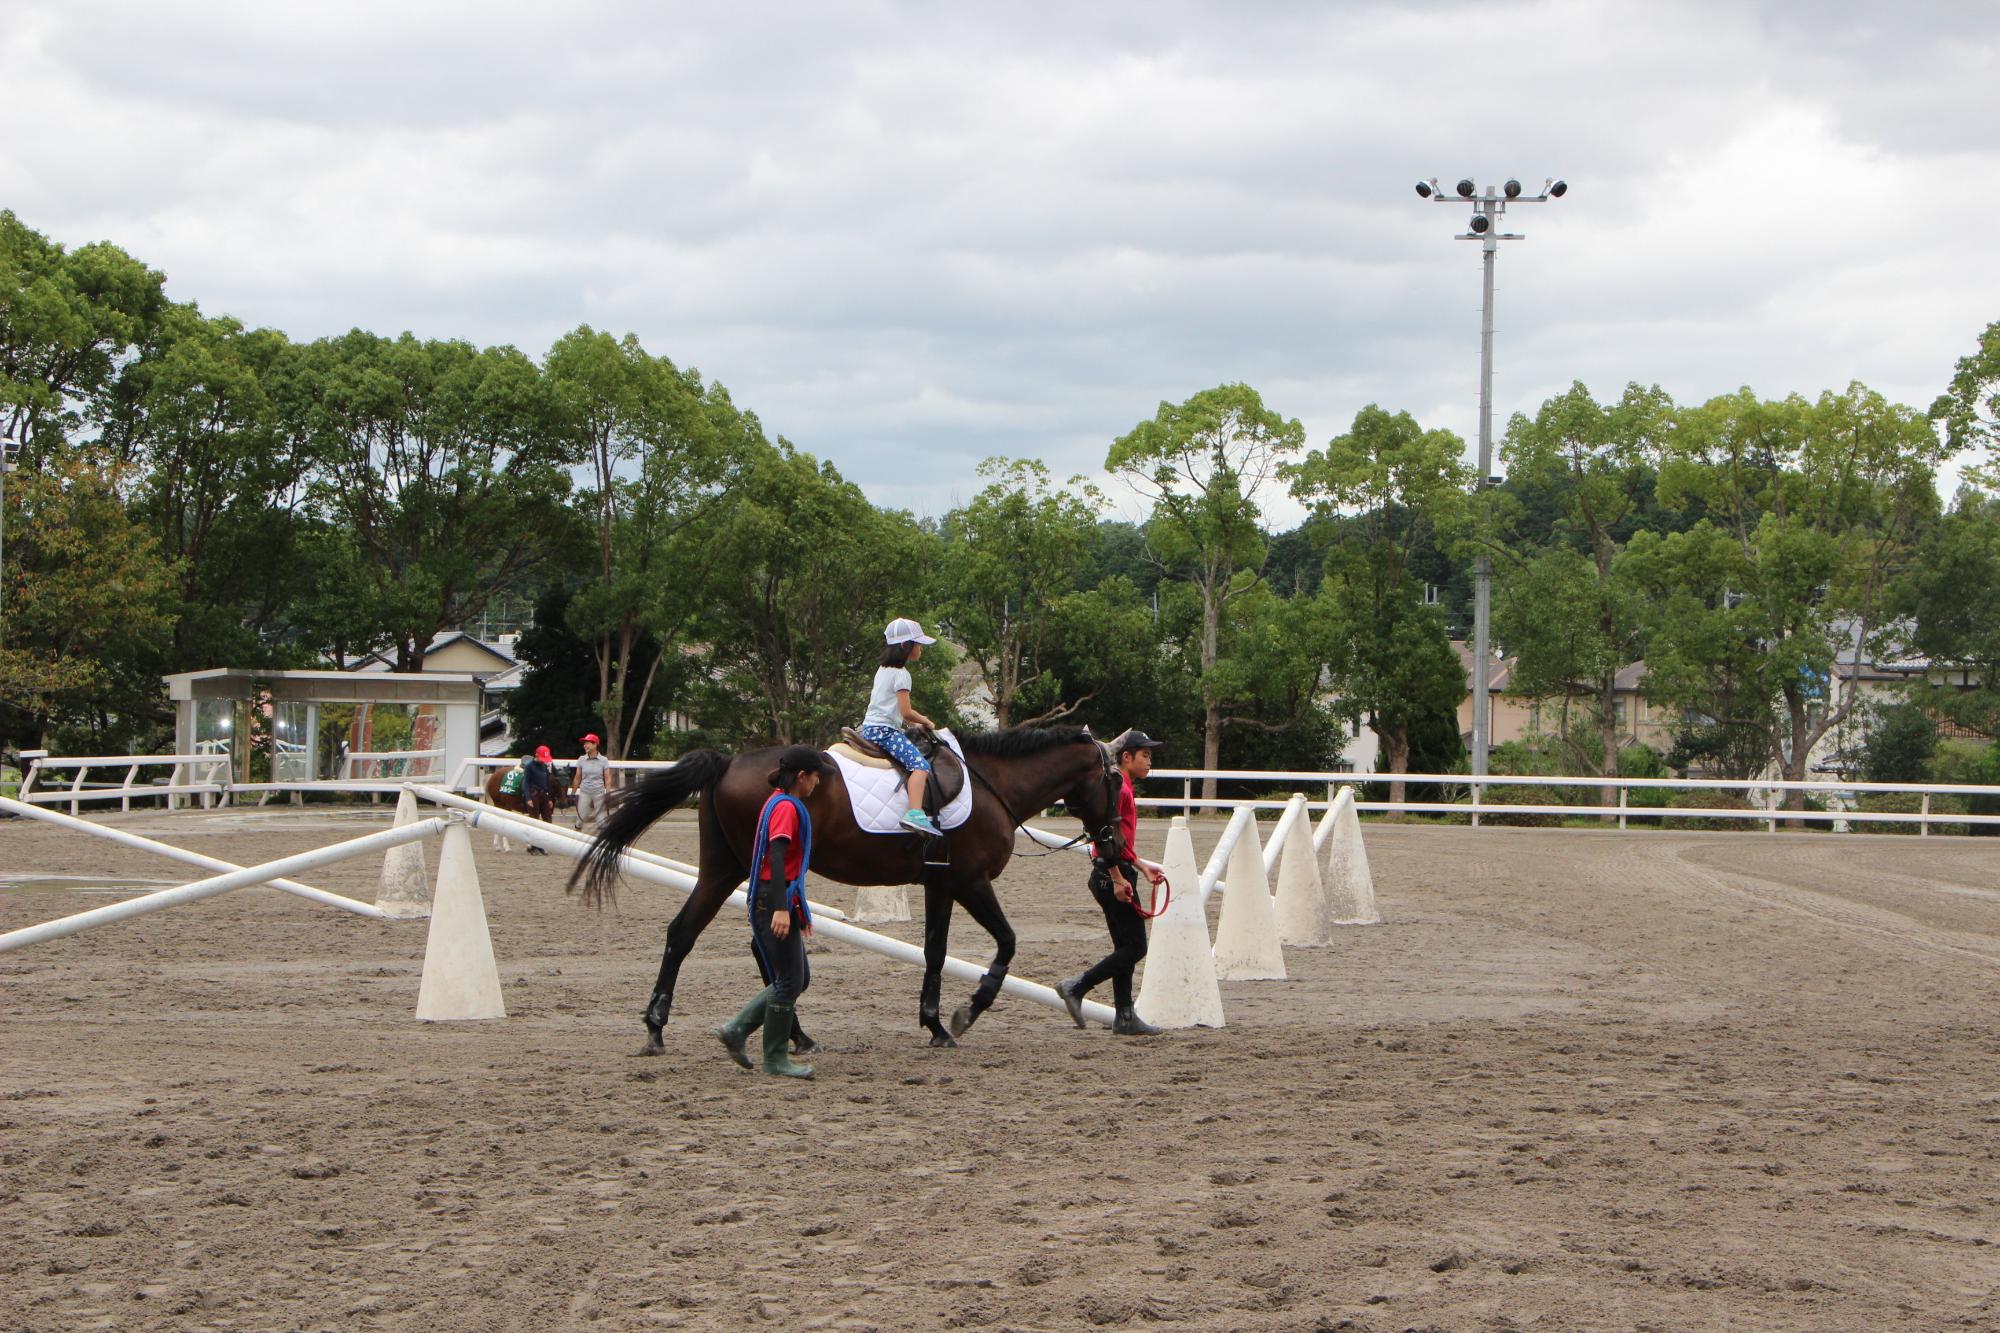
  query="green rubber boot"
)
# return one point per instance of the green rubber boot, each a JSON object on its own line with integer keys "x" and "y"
{"x": 777, "y": 1038}
{"x": 735, "y": 1034}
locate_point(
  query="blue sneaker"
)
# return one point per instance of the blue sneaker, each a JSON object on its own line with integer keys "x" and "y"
{"x": 919, "y": 822}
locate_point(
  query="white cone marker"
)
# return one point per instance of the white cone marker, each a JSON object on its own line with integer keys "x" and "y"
{"x": 1246, "y": 938}
{"x": 1304, "y": 920}
{"x": 1178, "y": 989}
{"x": 461, "y": 980}
{"x": 872, "y": 905}
{"x": 1350, "y": 887}
{"x": 406, "y": 891}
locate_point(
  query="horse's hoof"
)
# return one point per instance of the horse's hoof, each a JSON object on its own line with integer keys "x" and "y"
{"x": 941, "y": 1039}
{"x": 961, "y": 1019}
{"x": 653, "y": 1046}
{"x": 804, "y": 1045}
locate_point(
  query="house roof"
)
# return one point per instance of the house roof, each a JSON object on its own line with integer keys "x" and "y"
{"x": 1499, "y": 669}
{"x": 381, "y": 661}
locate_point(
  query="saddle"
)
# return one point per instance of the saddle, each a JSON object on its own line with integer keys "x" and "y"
{"x": 947, "y": 773}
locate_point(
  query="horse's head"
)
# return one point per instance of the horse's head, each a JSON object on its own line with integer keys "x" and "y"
{"x": 1094, "y": 799}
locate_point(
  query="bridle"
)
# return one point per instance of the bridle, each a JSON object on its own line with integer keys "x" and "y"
{"x": 1105, "y": 835}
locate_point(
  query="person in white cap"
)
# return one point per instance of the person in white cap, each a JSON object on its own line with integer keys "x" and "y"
{"x": 890, "y": 710}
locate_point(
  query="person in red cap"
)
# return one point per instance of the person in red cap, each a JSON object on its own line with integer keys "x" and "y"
{"x": 589, "y": 781}
{"x": 538, "y": 790}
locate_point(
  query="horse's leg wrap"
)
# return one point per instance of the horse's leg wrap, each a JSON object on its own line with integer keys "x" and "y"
{"x": 927, "y": 1009}
{"x": 982, "y": 999}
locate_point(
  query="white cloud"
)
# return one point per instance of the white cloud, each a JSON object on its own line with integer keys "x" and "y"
{"x": 912, "y": 236}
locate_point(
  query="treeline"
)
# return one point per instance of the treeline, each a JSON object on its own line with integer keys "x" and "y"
{"x": 192, "y": 493}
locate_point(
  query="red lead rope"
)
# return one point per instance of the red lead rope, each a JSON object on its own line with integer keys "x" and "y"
{"x": 1163, "y": 894}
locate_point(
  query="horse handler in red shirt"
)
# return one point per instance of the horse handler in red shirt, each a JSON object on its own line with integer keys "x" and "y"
{"x": 780, "y": 920}
{"x": 1114, "y": 882}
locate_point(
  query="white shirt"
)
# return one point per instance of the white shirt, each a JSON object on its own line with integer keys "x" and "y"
{"x": 884, "y": 709}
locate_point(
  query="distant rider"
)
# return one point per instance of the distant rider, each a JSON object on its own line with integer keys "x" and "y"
{"x": 538, "y": 790}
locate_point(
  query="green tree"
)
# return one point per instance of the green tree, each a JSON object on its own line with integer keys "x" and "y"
{"x": 1008, "y": 559}
{"x": 807, "y": 571}
{"x": 221, "y": 486}
{"x": 664, "y": 455}
{"x": 1377, "y": 488}
{"x": 1900, "y": 745}
{"x": 1951, "y": 599}
{"x": 437, "y": 461}
{"x": 1812, "y": 508}
{"x": 89, "y": 599}
{"x": 67, "y": 320}
{"x": 1202, "y": 464}
{"x": 1970, "y": 408}
{"x": 1575, "y": 620}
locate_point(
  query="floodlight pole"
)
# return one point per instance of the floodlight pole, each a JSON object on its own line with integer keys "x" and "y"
{"x": 7, "y": 450}
{"x": 1488, "y": 206}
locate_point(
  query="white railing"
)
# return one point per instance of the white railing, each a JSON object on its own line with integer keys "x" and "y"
{"x": 1767, "y": 806}
{"x": 205, "y": 775}
{"x": 208, "y": 777}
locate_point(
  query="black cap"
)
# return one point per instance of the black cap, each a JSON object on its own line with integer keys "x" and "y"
{"x": 1136, "y": 739}
{"x": 799, "y": 759}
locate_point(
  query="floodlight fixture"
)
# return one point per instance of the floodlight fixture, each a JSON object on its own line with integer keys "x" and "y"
{"x": 1488, "y": 207}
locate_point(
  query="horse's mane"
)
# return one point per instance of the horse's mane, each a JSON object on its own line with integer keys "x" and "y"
{"x": 1021, "y": 742}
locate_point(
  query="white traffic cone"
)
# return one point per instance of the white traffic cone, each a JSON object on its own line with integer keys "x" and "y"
{"x": 1303, "y": 917}
{"x": 1350, "y": 888}
{"x": 1246, "y": 938}
{"x": 406, "y": 888}
{"x": 460, "y": 978}
{"x": 874, "y": 905}
{"x": 1178, "y": 989}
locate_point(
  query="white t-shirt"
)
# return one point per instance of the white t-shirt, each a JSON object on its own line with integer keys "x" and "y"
{"x": 884, "y": 709}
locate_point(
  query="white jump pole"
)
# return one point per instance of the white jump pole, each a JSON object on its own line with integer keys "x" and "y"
{"x": 551, "y": 839}
{"x": 185, "y": 857}
{"x": 507, "y": 818}
{"x": 208, "y": 888}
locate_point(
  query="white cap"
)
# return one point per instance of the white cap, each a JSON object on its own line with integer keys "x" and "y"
{"x": 905, "y": 631}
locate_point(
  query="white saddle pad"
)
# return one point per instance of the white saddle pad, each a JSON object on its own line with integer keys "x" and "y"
{"x": 879, "y": 799}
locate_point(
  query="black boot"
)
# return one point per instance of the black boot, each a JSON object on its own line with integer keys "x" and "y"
{"x": 1071, "y": 992}
{"x": 1129, "y": 1024}
{"x": 982, "y": 999}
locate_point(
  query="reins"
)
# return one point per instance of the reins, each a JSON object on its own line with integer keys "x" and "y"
{"x": 1020, "y": 822}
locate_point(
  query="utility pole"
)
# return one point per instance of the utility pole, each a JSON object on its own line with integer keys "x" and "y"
{"x": 1488, "y": 206}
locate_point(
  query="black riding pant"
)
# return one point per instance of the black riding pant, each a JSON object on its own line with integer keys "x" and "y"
{"x": 783, "y": 961}
{"x": 1128, "y": 939}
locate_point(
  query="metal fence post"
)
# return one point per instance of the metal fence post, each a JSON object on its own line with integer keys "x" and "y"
{"x": 1623, "y": 792}
{"x": 1924, "y": 824}
{"x": 1475, "y": 803}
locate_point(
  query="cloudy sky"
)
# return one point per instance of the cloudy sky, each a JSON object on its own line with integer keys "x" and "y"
{"x": 914, "y": 236}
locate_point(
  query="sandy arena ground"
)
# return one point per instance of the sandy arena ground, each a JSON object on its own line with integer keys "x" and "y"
{"x": 1576, "y": 1080}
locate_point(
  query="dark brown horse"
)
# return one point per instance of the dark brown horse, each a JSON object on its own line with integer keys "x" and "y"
{"x": 1013, "y": 775}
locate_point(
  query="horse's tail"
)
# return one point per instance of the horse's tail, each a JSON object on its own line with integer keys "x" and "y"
{"x": 631, "y": 811}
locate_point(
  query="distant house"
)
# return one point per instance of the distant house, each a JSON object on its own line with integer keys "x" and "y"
{"x": 1516, "y": 718}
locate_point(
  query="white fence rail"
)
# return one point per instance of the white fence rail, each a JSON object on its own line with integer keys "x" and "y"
{"x": 203, "y": 775}
{"x": 1766, "y": 795}
{"x": 207, "y": 776}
